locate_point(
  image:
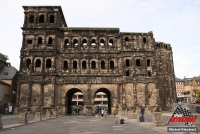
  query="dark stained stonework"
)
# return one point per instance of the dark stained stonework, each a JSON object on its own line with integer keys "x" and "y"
{"x": 57, "y": 61}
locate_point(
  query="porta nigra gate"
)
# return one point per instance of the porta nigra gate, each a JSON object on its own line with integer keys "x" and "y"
{"x": 57, "y": 61}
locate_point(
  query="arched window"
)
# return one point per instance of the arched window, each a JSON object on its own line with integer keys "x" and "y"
{"x": 41, "y": 19}
{"x": 126, "y": 39}
{"x": 50, "y": 41}
{"x": 138, "y": 62}
{"x": 75, "y": 43}
{"x": 51, "y": 20}
{"x": 65, "y": 65}
{"x": 93, "y": 64}
{"x": 48, "y": 63}
{"x": 110, "y": 42}
{"x": 28, "y": 63}
{"x": 149, "y": 73}
{"x": 39, "y": 40}
{"x": 84, "y": 42}
{"x": 148, "y": 62}
{"x": 38, "y": 63}
{"x": 127, "y": 73}
{"x": 66, "y": 43}
{"x": 102, "y": 64}
{"x": 84, "y": 64}
{"x": 102, "y": 42}
{"x": 31, "y": 19}
{"x": 111, "y": 64}
{"x": 74, "y": 64}
{"x": 127, "y": 62}
{"x": 93, "y": 42}
{"x": 144, "y": 40}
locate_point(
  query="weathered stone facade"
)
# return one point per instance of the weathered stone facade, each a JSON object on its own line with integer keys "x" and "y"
{"x": 57, "y": 61}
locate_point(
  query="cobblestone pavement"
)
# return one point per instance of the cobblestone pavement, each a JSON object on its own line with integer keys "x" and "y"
{"x": 82, "y": 125}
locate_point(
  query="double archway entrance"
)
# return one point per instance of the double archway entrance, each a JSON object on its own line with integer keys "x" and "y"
{"x": 76, "y": 100}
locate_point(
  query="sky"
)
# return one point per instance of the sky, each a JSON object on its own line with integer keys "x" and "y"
{"x": 176, "y": 22}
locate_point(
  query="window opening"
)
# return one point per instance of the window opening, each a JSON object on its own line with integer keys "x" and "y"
{"x": 29, "y": 41}
{"x": 84, "y": 42}
{"x": 28, "y": 63}
{"x": 74, "y": 64}
{"x": 138, "y": 62}
{"x": 102, "y": 64}
{"x": 84, "y": 64}
{"x": 75, "y": 42}
{"x": 38, "y": 63}
{"x": 39, "y": 40}
{"x": 111, "y": 64}
{"x": 110, "y": 42}
{"x": 126, "y": 39}
{"x": 51, "y": 19}
{"x": 50, "y": 41}
{"x": 149, "y": 73}
{"x": 41, "y": 19}
{"x": 144, "y": 40}
{"x": 65, "y": 65}
{"x": 127, "y": 73}
{"x": 93, "y": 64}
{"x": 5, "y": 73}
{"x": 148, "y": 62}
{"x": 48, "y": 63}
{"x": 66, "y": 43}
{"x": 93, "y": 42}
{"x": 31, "y": 19}
{"x": 102, "y": 42}
{"x": 127, "y": 62}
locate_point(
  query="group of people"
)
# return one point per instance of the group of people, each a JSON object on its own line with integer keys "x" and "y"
{"x": 101, "y": 111}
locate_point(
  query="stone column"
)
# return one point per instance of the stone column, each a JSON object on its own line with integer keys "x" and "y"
{"x": 29, "y": 93}
{"x": 157, "y": 119}
{"x": 1, "y": 126}
{"x": 22, "y": 118}
{"x": 38, "y": 116}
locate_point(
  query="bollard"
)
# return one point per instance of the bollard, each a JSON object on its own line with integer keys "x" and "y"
{"x": 48, "y": 115}
{"x": 22, "y": 118}
{"x": 1, "y": 126}
{"x": 38, "y": 116}
{"x": 157, "y": 119}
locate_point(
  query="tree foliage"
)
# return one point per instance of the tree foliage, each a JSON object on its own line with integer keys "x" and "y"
{"x": 4, "y": 57}
{"x": 198, "y": 96}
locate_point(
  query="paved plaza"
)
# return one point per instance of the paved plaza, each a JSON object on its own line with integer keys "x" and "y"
{"x": 79, "y": 124}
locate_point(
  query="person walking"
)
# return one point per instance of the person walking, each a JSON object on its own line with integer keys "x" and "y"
{"x": 102, "y": 113}
{"x": 142, "y": 114}
{"x": 105, "y": 113}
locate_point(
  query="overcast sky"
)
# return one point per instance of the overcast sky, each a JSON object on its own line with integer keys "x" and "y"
{"x": 176, "y": 22}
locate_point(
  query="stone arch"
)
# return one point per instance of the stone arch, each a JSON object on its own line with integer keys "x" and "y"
{"x": 31, "y": 18}
{"x": 109, "y": 97}
{"x": 102, "y": 41}
{"x": 66, "y": 42}
{"x": 68, "y": 98}
{"x": 84, "y": 41}
{"x": 41, "y": 18}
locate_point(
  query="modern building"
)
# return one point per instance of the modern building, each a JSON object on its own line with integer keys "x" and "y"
{"x": 57, "y": 61}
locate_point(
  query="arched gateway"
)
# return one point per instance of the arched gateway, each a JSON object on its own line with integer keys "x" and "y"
{"x": 132, "y": 69}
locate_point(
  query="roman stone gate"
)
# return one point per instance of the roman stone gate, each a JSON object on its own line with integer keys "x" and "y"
{"x": 56, "y": 61}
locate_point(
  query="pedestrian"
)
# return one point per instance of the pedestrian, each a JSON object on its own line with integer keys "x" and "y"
{"x": 114, "y": 113}
{"x": 6, "y": 111}
{"x": 102, "y": 113}
{"x": 78, "y": 109}
{"x": 142, "y": 114}
{"x": 105, "y": 113}
{"x": 97, "y": 111}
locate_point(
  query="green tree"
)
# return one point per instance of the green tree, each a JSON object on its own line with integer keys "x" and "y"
{"x": 4, "y": 57}
{"x": 198, "y": 96}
